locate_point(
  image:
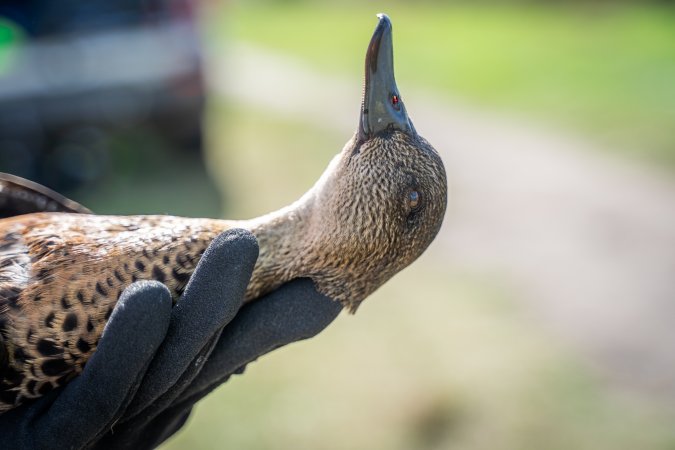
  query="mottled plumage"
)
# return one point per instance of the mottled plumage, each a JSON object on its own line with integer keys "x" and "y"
{"x": 375, "y": 209}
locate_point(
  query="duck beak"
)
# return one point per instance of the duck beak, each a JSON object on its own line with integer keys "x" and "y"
{"x": 382, "y": 108}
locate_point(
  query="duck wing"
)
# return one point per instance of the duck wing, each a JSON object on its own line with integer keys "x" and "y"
{"x": 20, "y": 196}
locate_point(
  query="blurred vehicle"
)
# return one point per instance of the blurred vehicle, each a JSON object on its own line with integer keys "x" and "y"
{"x": 72, "y": 73}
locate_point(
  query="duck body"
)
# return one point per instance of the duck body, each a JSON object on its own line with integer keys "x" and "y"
{"x": 61, "y": 275}
{"x": 375, "y": 209}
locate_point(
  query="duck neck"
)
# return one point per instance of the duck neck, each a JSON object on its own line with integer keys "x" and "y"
{"x": 282, "y": 238}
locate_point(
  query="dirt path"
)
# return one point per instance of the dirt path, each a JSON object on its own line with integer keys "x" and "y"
{"x": 589, "y": 242}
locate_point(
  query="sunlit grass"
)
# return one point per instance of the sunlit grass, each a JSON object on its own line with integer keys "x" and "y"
{"x": 434, "y": 359}
{"x": 149, "y": 177}
{"x": 263, "y": 164}
{"x": 603, "y": 70}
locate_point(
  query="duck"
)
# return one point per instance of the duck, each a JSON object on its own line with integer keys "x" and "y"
{"x": 374, "y": 210}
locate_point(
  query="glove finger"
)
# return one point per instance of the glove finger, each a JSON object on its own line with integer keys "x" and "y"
{"x": 212, "y": 297}
{"x": 293, "y": 312}
{"x": 89, "y": 404}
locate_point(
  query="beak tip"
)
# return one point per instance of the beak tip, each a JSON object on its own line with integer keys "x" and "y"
{"x": 384, "y": 20}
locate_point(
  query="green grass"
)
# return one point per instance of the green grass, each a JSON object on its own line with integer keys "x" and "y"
{"x": 433, "y": 360}
{"x": 604, "y": 71}
{"x": 148, "y": 176}
{"x": 261, "y": 172}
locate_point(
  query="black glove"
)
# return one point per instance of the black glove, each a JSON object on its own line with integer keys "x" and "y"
{"x": 154, "y": 362}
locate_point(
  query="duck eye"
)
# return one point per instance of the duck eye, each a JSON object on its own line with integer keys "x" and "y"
{"x": 413, "y": 199}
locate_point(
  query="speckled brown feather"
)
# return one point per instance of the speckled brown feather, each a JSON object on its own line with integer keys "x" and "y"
{"x": 63, "y": 276}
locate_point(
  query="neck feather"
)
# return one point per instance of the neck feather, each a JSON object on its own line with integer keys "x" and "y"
{"x": 281, "y": 237}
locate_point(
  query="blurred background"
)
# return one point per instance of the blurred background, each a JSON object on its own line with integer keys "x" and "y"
{"x": 542, "y": 315}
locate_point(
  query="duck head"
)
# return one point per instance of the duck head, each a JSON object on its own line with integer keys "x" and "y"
{"x": 378, "y": 205}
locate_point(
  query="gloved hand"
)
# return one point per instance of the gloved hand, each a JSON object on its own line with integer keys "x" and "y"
{"x": 154, "y": 362}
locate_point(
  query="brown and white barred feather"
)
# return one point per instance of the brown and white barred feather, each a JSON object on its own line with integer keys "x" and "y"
{"x": 59, "y": 315}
